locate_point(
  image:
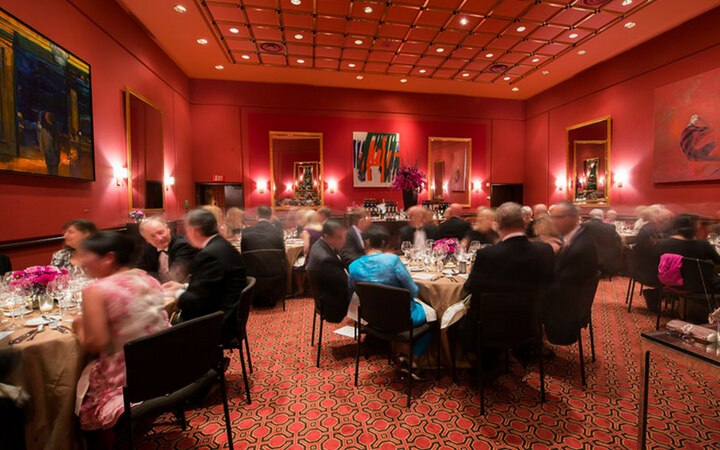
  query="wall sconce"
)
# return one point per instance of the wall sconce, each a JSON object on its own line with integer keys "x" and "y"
{"x": 332, "y": 186}
{"x": 289, "y": 187}
{"x": 560, "y": 184}
{"x": 169, "y": 182}
{"x": 445, "y": 187}
{"x": 261, "y": 186}
{"x": 120, "y": 174}
{"x": 476, "y": 187}
{"x": 620, "y": 178}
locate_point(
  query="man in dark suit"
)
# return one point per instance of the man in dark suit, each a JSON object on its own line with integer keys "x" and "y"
{"x": 166, "y": 256}
{"x": 354, "y": 246}
{"x": 217, "y": 274}
{"x": 264, "y": 234}
{"x": 327, "y": 268}
{"x": 5, "y": 265}
{"x": 576, "y": 263}
{"x": 514, "y": 264}
{"x": 607, "y": 242}
{"x": 454, "y": 226}
{"x": 417, "y": 231}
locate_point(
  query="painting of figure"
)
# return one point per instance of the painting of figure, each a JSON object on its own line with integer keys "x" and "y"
{"x": 376, "y": 158}
{"x": 687, "y": 118}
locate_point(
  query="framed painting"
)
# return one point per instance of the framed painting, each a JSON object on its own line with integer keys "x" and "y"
{"x": 376, "y": 158}
{"x": 687, "y": 119}
{"x": 45, "y": 106}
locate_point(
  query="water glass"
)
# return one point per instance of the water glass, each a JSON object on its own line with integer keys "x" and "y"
{"x": 45, "y": 303}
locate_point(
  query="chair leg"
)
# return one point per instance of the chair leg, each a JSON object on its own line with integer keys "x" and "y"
{"x": 439, "y": 356}
{"x": 283, "y": 299}
{"x": 247, "y": 350}
{"x": 480, "y": 380}
{"x": 319, "y": 342}
{"x": 390, "y": 360}
{"x": 410, "y": 372}
{"x": 357, "y": 358}
{"x": 631, "y": 294}
{"x": 180, "y": 414}
{"x": 592, "y": 341}
{"x": 312, "y": 334}
{"x": 582, "y": 358}
{"x": 542, "y": 373}
{"x": 451, "y": 339}
{"x": 657, "y": 323}
{"x": 244, "y": 374}
{"x": 226, "y": 409}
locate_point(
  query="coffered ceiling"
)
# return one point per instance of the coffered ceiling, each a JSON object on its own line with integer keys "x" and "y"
{"x": 494, "y": 48}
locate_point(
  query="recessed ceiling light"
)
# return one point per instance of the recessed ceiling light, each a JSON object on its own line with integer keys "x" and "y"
{"x": 202, "y": 41}
{"x": 464, "y": 21}
{"x": 359, "y": 77}
{"x": 573, "y": 36}
{"x": 581, "y": 52}
{"x": 403, "y": 80}
{"x": 245, "y": 57}
{"x": 626, "y": 2}
{"x": 422, "y": 70}
{"x": 351, "y": 65}
{"x": 358, "y": 42}
{"x": 536, "y": 60}
{"x": 368, "y": 10}
{"x": 295, "y": 2}
{"x": 545, "y": 72}
{"x": 466, "y": 74}
{"x": 489, "y": 55}
{"x": 630, "y": 25}
{"x": 439, "y": 49}
{"x": 301, "y": 61}
{"x": 180, "y": 8}
{"x": 234, "y": 30}
{"x": 219, "y": 67}
{"x": 506, "y": 78}
{"x": 521, "y": 29}
{"x": 515, "y": 89}
{"x": 299, "y": 36}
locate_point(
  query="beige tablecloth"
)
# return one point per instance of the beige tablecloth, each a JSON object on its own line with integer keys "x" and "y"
{"x": 51, "y": 365}
{"x": 292, "y": 252}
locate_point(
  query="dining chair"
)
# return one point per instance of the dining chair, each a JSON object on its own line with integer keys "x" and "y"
{"x": 166, "y": 369}
{"x": 268, "y": 267}
{"x": 319, "y": 287}
{"x": 586, "y": 298}
{"x": 386, "y": 311}
{"x": 242, "y": 314}
{"x": 697, "y": 276}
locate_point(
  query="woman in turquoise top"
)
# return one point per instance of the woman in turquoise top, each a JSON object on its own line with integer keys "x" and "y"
{"x": 387, "y": 269}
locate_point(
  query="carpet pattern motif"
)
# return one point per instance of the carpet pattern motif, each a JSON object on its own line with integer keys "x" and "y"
{"x": 297, "y": 406}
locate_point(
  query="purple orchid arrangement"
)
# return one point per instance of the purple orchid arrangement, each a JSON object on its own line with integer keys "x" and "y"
{"x": 409, "y": 178}
{"x": 36, "y": 278}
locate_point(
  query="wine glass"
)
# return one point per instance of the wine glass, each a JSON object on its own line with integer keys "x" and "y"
{"x": 406, "y": 247}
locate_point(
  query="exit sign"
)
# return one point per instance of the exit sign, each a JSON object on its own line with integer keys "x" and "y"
{"x": 218, "y": 177}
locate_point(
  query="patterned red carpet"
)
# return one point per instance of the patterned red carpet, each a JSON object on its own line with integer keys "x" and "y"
{"x": 295, "y": 405}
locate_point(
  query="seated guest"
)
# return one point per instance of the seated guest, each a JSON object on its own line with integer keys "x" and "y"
{"x": 323, "y": 214}
{"x": 454, "y": 227}
{"x": 539, "y": 210}
{"x": 75, "y": 232}
{"x": 684, "y": 242}
{"x": 387, "y": 269}
{"x": 5, "y": 265}
{"x": 310, "y": 235}
{"x": 607, "y": 242}
{"x": 217, "y": 273}
{"x": 417, "y": 231}
{"x": 514, "y": 264}
{"x": 234, "y": 222}
{"x": 576, "y": 263}
{"x": 643, "y": 214}
{"x": 327, "y": 265}
{"x": 527, "y": 216}
{"x": 354, "y": 245}
{"x": 217, "y": 212}
{"x": 166, "y": 256}
{"x": 611, "y": 217}
{"x": 120, "y": 306}
{"x": 263, "y": 235}
{"x": 301, "y": 220}
{"x": 483, "y": 231}
{"x": 646, "y": 256}
{"x": 545, "y": 232}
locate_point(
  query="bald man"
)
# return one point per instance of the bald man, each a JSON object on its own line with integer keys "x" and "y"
{"x": 454, "y": 226}
{"x": 418, "y": 230}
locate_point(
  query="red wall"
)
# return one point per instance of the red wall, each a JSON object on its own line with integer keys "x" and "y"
{"x": 623, "y": 88}
{"x": 242, "y": 153}
{"x": 120, "y": 54}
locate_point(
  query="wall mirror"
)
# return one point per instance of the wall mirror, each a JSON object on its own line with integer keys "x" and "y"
{"x": 296, "y": 169}
{"x": 145, "y": 152}
{"x": 449, "y": 160}
{"x": 589, "y": 162}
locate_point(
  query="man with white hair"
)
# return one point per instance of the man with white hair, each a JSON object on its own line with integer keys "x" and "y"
{"x": 418, "y": 230}
{"x": 538, "y": 211}
{"x": 611, "y": 216}
{"x": 454, "y": 226}
{"x": 166, "y": 256}
{"x": 607, "y": 242}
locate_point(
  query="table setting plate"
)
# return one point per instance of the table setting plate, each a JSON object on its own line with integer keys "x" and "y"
{"x": 37, "y": 321}
{"x": 22, "y": 311}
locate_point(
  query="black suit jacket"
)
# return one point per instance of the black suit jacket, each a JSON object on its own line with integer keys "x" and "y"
{"x": 326, "y": 265}
{"x": 262, "y": 236}
{"x": 608, "y": 244}
{"x": 407, "y": 233}
{"x": 647, "y": 258}
{"x": 454, "y": 227}
{"x": 516, "y": 264}
{"x": 5, "y": 265}
{"x": 574, "y": 265}
{"x": 353, "y": 248}
{"x": 217, "y": 277}
{"x": 180, "y": 253}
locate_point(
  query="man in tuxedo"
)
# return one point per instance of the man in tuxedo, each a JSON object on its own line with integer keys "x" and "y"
{"x": 354, "y": 246}
{"x": 217, "y": 274}
{"x": 327, "y": 267}
{"x": 5, "y": 265}
{"x": 513, "y": 264}
{"x": 417, "y": 231}
{"x": 263, "y": 235}
{"x": 166, "y": 256}
{"x": 454, "y": 226}
{"x": 323, "y": 214}
{"x": 576, "y": 263}
{"x": 607, "y": 242}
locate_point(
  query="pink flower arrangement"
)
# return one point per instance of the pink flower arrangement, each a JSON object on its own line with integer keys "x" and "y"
{"x": 36, "y": 278}
{"x": 447, "y": 246}
{"x": 409, "y": 178}
{"x": 137, "y": 215}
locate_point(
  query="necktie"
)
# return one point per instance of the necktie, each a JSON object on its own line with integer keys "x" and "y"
{"x": 163, "y": 262}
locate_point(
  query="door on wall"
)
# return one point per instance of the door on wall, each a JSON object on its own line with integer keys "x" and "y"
{"x": 503, "y": 193}
{"x": 222, "y": 195}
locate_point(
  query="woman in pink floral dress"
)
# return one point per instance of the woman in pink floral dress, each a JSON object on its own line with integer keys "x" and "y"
{"x": 121, "y": 306}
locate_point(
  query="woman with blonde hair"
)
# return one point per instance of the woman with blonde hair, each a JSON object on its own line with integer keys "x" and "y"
{"x": 234, "y": 222}
{"x": 483, "y": 230}
{"x": 217, "y": 212}
{"x": 546, "y": 232}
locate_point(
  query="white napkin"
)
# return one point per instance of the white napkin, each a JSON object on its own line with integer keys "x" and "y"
{"x": 5, "y": 334}
{"x": 423, "y": 275}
